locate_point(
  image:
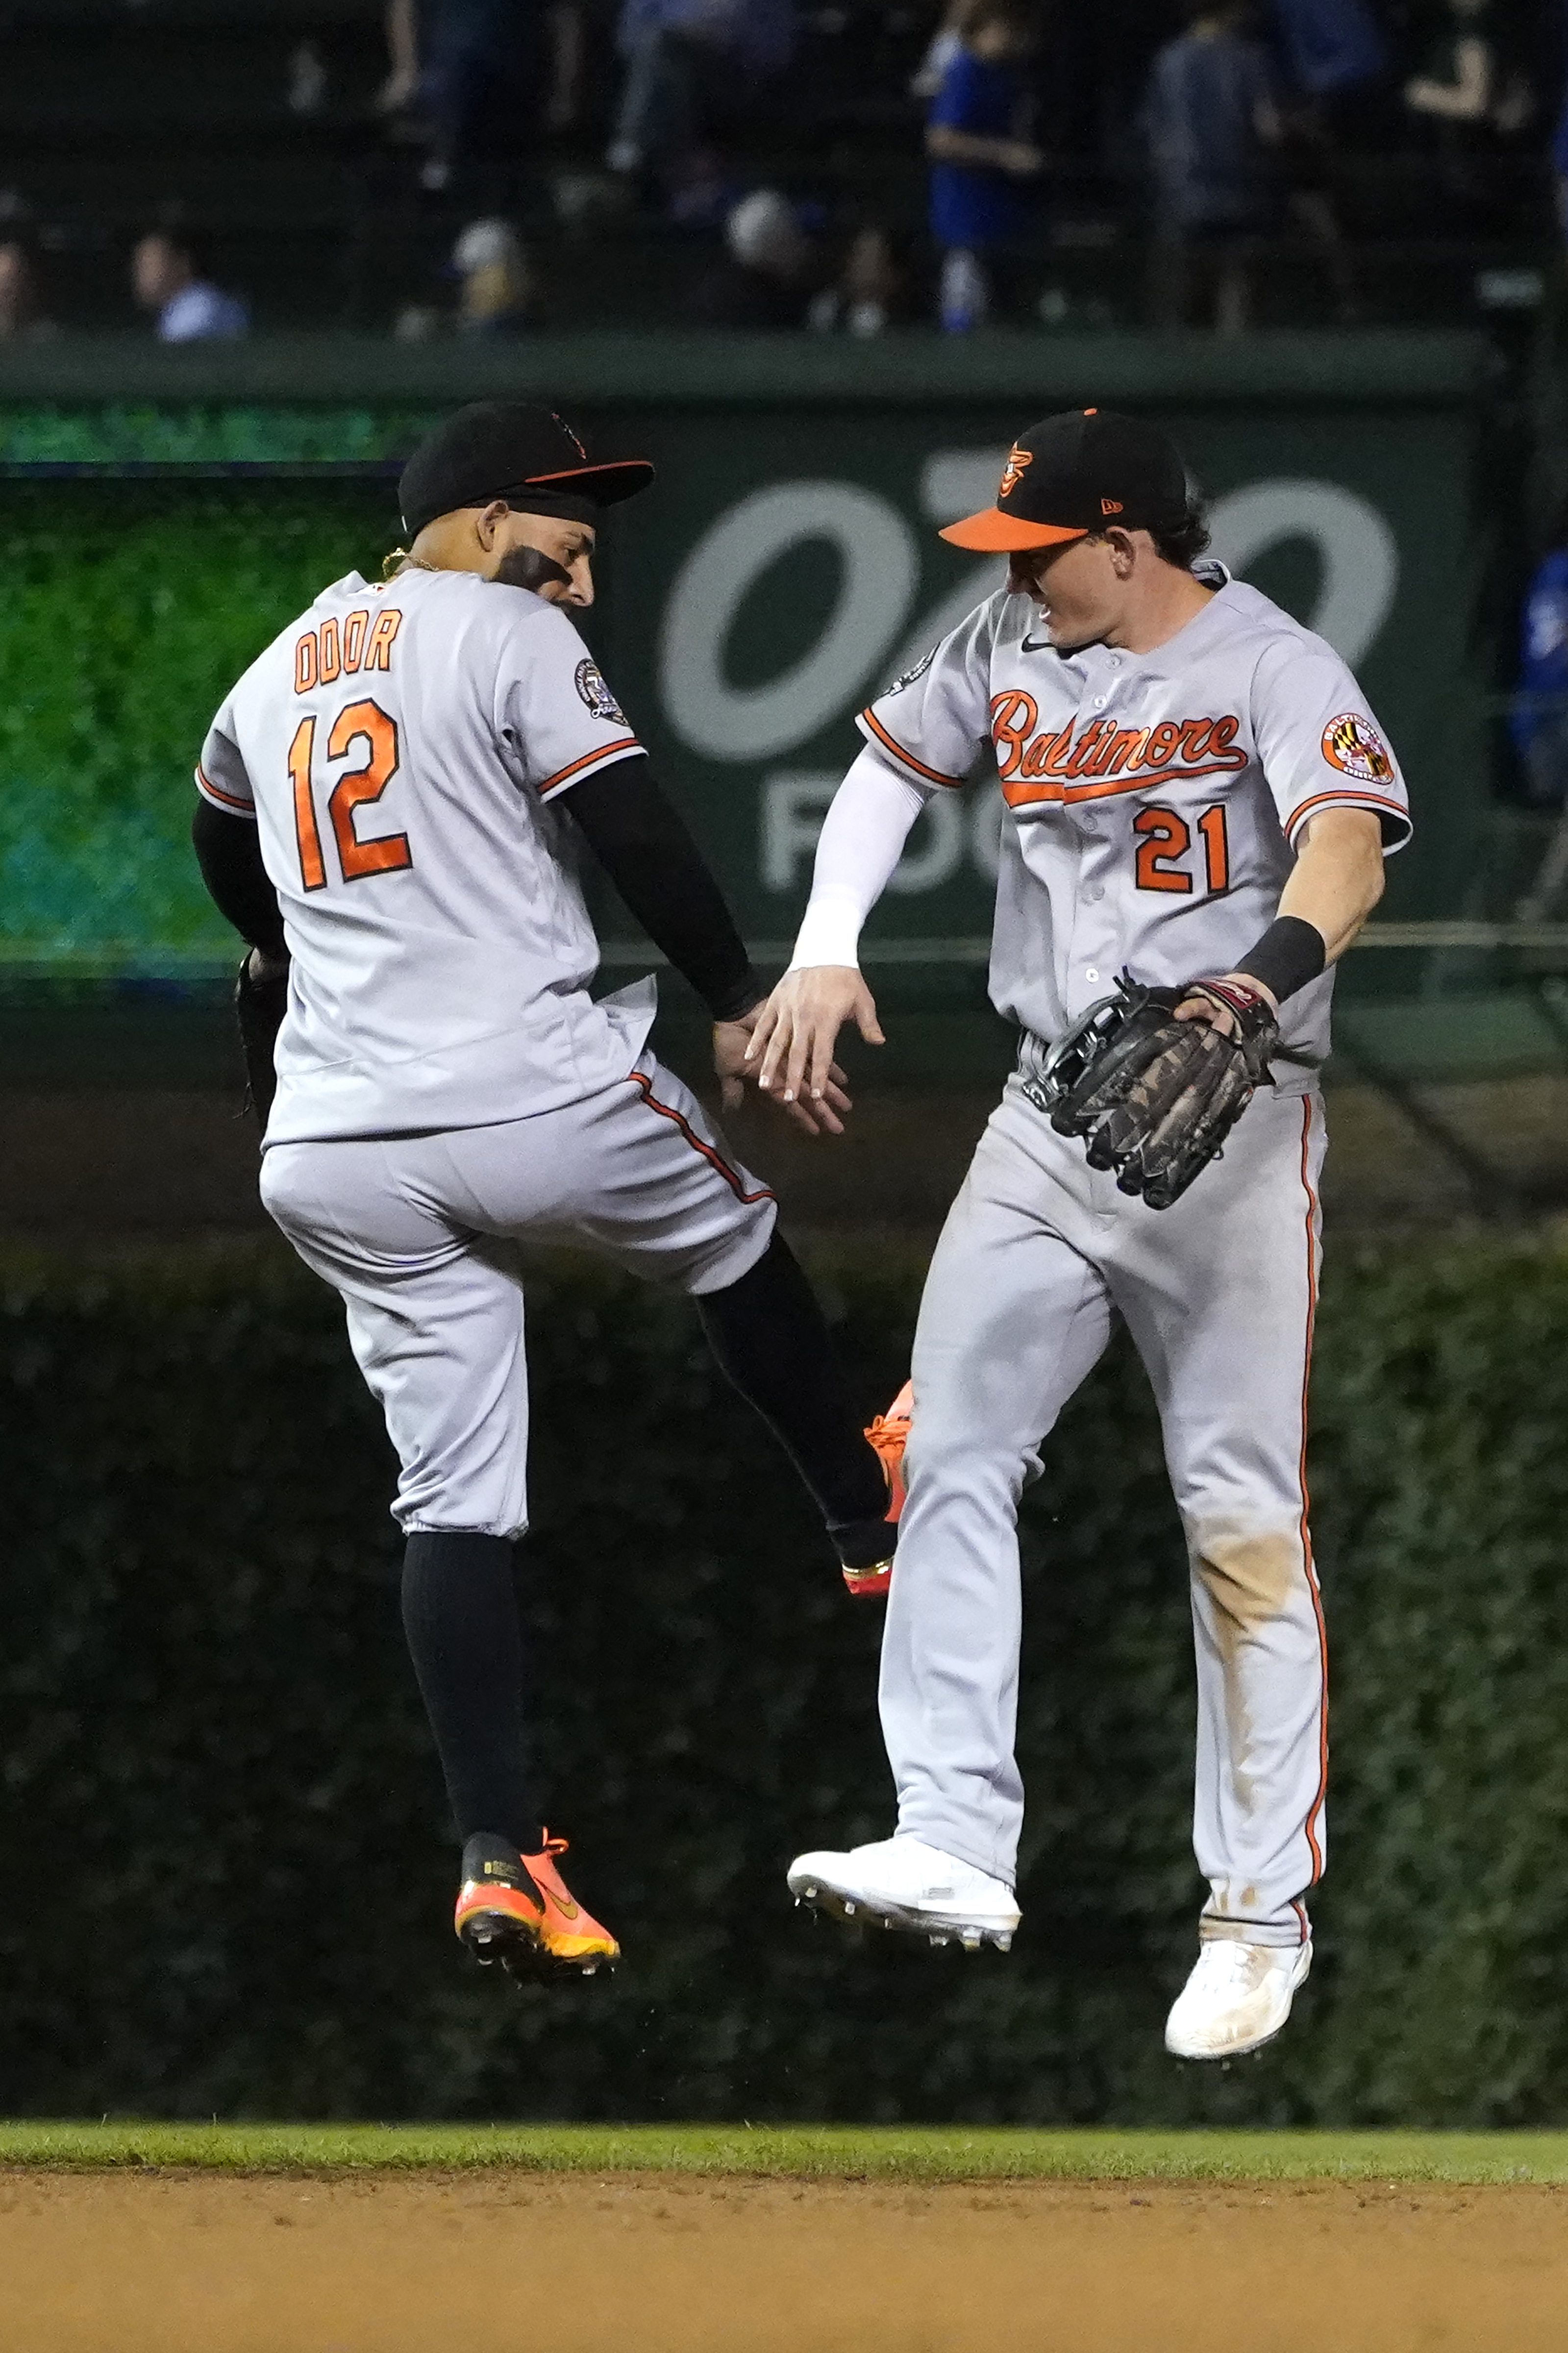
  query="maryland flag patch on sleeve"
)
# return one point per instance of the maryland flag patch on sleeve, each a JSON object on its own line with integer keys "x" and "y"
{"x": 1353, "y": 744}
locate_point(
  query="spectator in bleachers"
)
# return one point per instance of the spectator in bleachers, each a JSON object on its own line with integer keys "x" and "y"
{"x": 1212, "y": 120}
{"x": 483, "y": 75}
{"x": 399, "y": 91}
{"x": 21, "y": 313}
{"x": 1474, "y": 82}
{"x": 941, "y": 50}
{"x": 190, "y": 310}
{"x": 1335, "y": 61}
{"x": 1459, "y": 80}
{"x": 764, "y": 279}
{"x": 872, "y": 292}
{"x": 1472, "y": 93}
{"x": 980, "y": 154}
{"x": 692, "y": 68}
{"x": 500, "y": 295}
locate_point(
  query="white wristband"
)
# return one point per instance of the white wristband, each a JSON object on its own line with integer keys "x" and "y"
{"x": 830, "y": 928}
{"x": 862, "y": 838}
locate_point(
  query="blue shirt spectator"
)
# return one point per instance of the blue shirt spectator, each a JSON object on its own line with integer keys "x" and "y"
{"x": 202, "y": 313}
{"x": 1209, "y": 110}
{"x": 973, "y": 134}
{"x": 190, "y": 309}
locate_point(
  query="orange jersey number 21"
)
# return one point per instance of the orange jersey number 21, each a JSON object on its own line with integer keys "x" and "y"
{"x": 1164, "y": 839}
{"x": 361, "y": 723}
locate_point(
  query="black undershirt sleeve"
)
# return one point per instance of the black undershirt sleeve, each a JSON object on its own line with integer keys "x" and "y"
{"x": 640, "y": 839}
{"x": 228, "y": 852}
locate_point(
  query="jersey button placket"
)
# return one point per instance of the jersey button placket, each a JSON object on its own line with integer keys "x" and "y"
{"x": 1094, "y": 948}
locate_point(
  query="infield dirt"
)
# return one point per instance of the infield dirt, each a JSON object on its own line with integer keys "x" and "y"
{"x": 169, "y": 2262}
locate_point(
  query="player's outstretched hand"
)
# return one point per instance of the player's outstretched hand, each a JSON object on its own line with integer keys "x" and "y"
{"x": 733, "y": 1060}
{"x": 791, "y": 1046}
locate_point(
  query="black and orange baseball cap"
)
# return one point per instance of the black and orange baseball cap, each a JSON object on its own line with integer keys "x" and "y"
{"x": 1078, "y": 473}
{"x": 505, "y": 449}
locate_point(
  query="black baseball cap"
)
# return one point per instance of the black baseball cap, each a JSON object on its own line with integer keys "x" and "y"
{"x": 505, "y": 449}
{"x": 1075, "y": 473}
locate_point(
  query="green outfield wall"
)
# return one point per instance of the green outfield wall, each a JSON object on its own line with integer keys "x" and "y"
{"x": 226, "y": 1877}
{"x": 163, "y": 513}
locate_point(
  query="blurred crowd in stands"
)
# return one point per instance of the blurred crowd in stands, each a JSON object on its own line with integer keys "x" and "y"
{"x": 830, "y": 166}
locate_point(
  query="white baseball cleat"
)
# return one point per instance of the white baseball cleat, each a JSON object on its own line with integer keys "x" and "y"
{"x": 1236, "y": 1998}
{"x": 903, "y": 1882}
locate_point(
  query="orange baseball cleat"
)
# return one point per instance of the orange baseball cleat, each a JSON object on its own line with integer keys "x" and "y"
{"x": 517, "y": 1909}
{"x": 889, "y": 1435}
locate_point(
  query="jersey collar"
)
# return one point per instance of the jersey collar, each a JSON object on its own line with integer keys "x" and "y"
{"x": 1208, "y": 569}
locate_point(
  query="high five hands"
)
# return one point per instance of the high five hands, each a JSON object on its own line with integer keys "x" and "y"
{"x": 737, "y": 1049}
{"x": 789, "y": 1050}
{"x": 734, "y": 1059}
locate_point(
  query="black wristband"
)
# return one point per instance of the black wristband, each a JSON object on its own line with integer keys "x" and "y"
{"x": 1291, "y": 953}
{"x": 728, "y": 1004}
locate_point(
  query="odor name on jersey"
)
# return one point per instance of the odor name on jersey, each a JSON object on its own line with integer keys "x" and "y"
{"x": 400, "y": 747}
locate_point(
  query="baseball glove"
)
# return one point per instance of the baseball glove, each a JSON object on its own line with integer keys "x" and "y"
{"x": 1155, "y": 1097}
{"x": 258, "y": 1008}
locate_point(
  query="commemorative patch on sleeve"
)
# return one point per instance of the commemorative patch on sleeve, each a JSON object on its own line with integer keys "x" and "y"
{"x": 917, "y": 670}
{"x": 1353, "y": 744}
{"x": 597, "y": 694}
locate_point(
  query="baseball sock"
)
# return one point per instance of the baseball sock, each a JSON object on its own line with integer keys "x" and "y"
{"x": 460, "y": 1615}
{"x": 771, "y": 1341}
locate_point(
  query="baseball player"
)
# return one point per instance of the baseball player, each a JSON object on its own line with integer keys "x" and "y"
{"x": 390, "y": 806}
{"x": 1196, "y": 792}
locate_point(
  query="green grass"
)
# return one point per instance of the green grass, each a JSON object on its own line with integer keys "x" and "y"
{"x": 809, "y": 2152}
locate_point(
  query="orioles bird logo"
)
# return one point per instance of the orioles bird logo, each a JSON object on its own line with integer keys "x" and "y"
{"x": 1016, "y": 460}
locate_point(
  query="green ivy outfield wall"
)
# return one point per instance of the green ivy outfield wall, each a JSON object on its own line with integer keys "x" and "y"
{"x": 225, "y": 1871}
{"x": 163, "y": 513}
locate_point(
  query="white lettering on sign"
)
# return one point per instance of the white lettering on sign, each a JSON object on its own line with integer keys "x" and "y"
{"x": 956, "y": 482}
{"x": 795, "y": 801}
{"x": 879, "y": 564}
{"x": 1358, "y": 552}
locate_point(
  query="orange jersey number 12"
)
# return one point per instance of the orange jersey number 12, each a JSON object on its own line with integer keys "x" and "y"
{"x": 387, "y": 853}
{"x": 307, "y": 833}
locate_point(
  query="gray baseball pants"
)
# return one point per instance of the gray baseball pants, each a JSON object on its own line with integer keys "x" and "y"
{"x": 407, "y": 1228}
{"x": 1039, "y": 1255}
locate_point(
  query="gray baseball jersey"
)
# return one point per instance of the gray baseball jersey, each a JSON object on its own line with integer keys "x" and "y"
{"x": 1156, "y": 799}
{"x": 444, "y": 1079}
{"x": 400, "y": 747}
